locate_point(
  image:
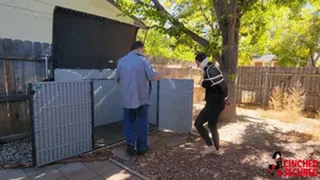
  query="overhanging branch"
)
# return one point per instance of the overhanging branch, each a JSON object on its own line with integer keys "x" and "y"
{"x": 203, "y": 42}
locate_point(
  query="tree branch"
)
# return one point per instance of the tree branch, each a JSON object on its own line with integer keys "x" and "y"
{"x": 137, "y": 21}
{"x": 246, "y": 5}
{"x": 203, "y": 42}
{"x": 206, "y": 18}
{"x": 194, "y": 36}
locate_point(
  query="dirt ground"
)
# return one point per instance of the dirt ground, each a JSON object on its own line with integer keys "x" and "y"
{"x": 248, "y": 146}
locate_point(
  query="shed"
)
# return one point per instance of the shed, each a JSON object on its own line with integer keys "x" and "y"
{"x": 83, "y": 33}
{"x": 79, "y": 110}
{"x": 265, "y": 60}
{"x": 38, "y": 36}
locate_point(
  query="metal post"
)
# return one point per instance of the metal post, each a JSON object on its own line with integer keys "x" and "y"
{"x": 46, "y": 65}
{"x": 265, "y": 90}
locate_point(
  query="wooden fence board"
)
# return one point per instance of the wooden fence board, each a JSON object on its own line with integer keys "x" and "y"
{"x": 262, "y": 80}
{"x": 14, "y": 77}
{"x": 2, "y": 78}
{"x": 255, "y": 84}
{"x": 4, "y": 122}
{"x": 20, "y": 121}
{"x": 13, "y": 108}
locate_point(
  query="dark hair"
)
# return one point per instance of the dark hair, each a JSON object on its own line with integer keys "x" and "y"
{"x": 136, "y": 45}
{"x": 201, "y": 56}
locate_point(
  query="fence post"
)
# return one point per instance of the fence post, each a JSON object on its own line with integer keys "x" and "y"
{"x": 266, "y": 87}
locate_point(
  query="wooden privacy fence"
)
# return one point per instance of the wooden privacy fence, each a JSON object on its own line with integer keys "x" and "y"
{"x": 14, "y": 108}
{"x": 188, "y": 73}
{"x": 21, "y": 62}
{"x": 255, "y": 84}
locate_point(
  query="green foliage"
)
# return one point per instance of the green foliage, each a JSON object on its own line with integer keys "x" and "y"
{"x": 254, "y": 30}
{"x": 244, "y": 59}
{"x": 159, "y": 44}
{"x": 297, "y": 40}
{"x": 285, "y": 28}
{"x": 232, "y": 77}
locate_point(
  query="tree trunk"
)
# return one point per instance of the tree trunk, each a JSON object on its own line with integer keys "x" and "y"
{"x": 228, "y": 19}
{"x": 314, "y": 57}
{"x": 312, "y": 61}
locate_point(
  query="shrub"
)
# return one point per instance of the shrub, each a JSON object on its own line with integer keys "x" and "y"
{"x": 287, "y": 104}
{"x": 275, "y": 101}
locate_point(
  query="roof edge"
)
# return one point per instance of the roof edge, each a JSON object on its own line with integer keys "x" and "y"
{"x": 137, "y": 21}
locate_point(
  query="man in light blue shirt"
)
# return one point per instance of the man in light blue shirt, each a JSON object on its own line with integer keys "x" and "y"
{"x": 134, "y": 73}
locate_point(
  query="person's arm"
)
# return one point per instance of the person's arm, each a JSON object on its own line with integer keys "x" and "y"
{"x": 223, "y": 85}
{"x": 151, "y": 74}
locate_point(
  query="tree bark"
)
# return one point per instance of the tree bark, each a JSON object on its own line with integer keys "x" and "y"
{"x": 311, "y": 63}
{"x": 314, "y": 59}
{"x": 228, "y": 19}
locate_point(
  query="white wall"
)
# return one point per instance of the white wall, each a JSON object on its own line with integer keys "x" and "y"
{"x": 32, "y": 19}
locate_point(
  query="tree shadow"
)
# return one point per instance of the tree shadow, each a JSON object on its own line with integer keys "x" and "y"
{"x": 248, "y": 158}
{"x": 245, "y": 118}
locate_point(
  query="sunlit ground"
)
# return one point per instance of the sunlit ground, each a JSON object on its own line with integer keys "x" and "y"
{"x": 247, "y": 149}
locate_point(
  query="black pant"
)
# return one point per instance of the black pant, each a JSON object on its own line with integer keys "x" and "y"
{"x": 210, "y": 113}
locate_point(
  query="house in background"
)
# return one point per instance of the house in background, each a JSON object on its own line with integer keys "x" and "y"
{"x": 266, "y": 61}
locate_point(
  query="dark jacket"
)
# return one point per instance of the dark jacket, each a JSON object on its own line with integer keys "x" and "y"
{"x": 213, "y": 81}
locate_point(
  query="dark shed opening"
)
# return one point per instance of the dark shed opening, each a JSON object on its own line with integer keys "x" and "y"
{"x": 85, "y": 41}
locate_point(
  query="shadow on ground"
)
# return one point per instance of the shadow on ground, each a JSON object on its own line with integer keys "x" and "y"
{"x": 247, "y": 158}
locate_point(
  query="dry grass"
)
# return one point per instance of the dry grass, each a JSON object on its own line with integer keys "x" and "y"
{"x": 314, "y": 130}
{"x": 308, "y": 118}
{"x": 315, "y": 136}
{"x": 318, "y": 115}
{"x": 279, "y": 115}
{"x": 286, "y": 104}
{"x": 275, "y": 101}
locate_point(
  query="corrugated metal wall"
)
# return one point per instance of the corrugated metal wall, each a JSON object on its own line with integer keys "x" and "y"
{"x": 107, "y": 102}
{"x": 62, "y": 120}
{"x": 153, "y": 109}
{"x": 175, "y": 105}
{"x": 81, "y": 74}
{"x": 108, "y": 108}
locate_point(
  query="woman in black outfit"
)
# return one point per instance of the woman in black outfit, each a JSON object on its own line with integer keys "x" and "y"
{"x": 216, "y": 97}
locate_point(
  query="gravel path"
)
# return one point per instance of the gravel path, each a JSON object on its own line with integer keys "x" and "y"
{"x": 16, "y": 152}
{"x": 248, "y": 146}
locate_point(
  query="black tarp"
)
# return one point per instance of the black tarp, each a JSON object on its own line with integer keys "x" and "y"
{"x": 85, "y": 41}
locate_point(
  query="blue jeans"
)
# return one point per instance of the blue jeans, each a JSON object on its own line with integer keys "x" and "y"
{"x": 136, "y": 122}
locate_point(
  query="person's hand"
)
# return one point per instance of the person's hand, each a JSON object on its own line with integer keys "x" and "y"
{"x": 228, "y": 102}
